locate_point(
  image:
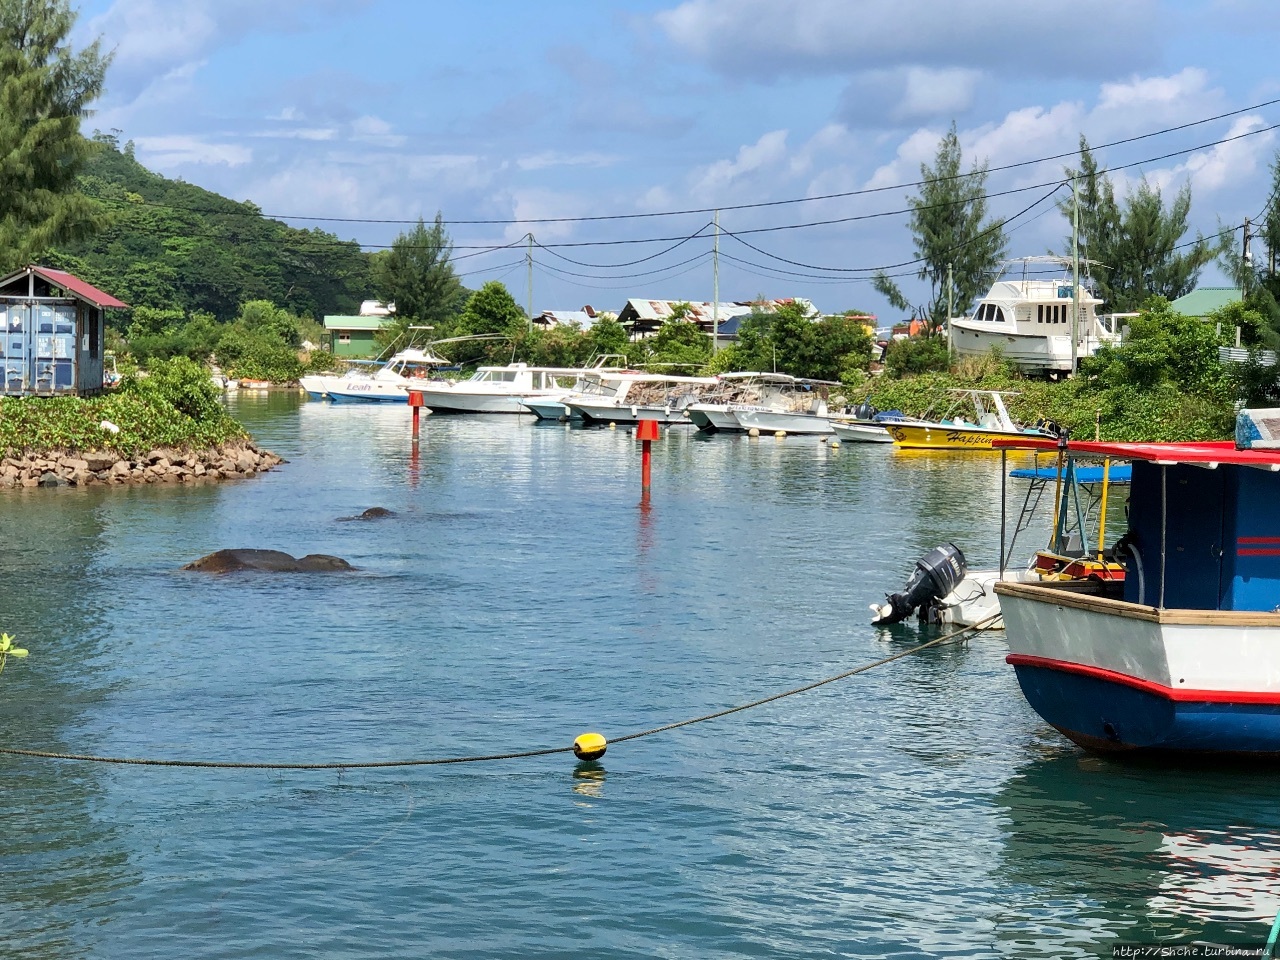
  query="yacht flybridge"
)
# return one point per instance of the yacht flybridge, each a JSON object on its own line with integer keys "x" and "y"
{"x": 1029, "y": 315}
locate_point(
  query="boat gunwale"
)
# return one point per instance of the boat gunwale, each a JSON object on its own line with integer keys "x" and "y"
{"x": 1074, "y": 597}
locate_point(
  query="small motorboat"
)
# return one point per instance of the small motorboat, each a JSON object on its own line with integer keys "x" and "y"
{"x": 390, "y": 383}
{"x": 643, "y": 396}
{"x": 868, "y": 425}
{"x": 991, "y": 422}
{"x": 1076, "y": 550}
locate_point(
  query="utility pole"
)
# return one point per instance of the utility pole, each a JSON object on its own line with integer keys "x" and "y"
{"x": 1247, "y": 258}
{"x": 715, "y": 288}
{"x": 528, "y": 262}
{"x": 951, "y": 309}
{"x": 1075, "y": 276}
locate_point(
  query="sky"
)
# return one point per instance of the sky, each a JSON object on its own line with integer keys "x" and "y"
{"x": 359, "y": 116}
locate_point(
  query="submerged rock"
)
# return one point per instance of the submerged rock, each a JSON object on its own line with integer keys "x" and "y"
{"x": 373, "y": 513}
{"x": 272, "y": 561}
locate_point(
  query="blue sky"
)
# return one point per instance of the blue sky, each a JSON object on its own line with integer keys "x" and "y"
{"x": 495, "y": 110}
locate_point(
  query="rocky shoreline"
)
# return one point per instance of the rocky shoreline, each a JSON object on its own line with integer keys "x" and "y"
{"x": 230, "y": 461}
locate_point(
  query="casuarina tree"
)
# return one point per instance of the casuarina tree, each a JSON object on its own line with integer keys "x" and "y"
{"x": 951, "y": 229}
{"x": 45, "y": 90}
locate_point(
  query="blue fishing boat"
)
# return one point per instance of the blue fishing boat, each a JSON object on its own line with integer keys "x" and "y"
{"x": 1182, "y": 656}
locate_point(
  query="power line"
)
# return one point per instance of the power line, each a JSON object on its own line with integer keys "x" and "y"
{"x": 733, "y": 207}
{"x": 998, "y": 225}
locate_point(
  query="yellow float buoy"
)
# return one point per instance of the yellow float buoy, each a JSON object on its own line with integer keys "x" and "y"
{"x": 612, "y": 425}
{"x": 780, "y": 434}
{"x": 753, "y": 432}
{"x": 590, "y": 746}
{"x": 834, "y": 444}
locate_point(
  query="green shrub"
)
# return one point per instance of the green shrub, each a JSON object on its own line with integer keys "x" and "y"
{"x": 916, "y": 355}
{"x": 181, "y": 383}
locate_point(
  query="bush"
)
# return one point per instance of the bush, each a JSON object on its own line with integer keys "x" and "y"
{"x": 182, "y": 384}
{"x": 144, "y": 418}
{"x": 916, "y": 355}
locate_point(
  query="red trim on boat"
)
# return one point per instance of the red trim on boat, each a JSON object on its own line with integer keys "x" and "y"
{"x": 1147, "y": 686}
{"x": 1244, "y": 540}
{"x": 1258, "y": 551}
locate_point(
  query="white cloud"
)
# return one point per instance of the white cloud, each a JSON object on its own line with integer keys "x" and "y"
{"x": 931, "y": 93}
{"x": 844, "y": 36}
{"x": 150, "y": 32}
{"x": 1146, "y": 92}
{"x": 317, "y": 134}
{"x": 169, "y": 152}
{"x": 376, "y": 131}
{"x": 555, "y": 158}
{"x": 769, "y": 151}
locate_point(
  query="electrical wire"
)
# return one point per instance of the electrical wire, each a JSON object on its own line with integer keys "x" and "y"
{"x": 998, "y": 225}
{"x": 728, "y": 208}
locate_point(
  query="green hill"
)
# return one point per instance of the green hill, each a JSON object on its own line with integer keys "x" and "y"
{"x": 172, "y": 245}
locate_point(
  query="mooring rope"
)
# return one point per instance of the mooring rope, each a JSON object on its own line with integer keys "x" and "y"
{"x": 518, "y": 755}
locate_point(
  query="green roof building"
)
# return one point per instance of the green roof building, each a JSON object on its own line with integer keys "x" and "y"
{"x": 1204, "y": 300}
{"x": 353, "y": 336}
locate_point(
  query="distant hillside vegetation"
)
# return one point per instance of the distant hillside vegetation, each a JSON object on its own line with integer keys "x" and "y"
{"x": 171, "y": 245}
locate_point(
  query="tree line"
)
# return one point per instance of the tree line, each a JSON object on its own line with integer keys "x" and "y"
{"x": 211, "y": 277}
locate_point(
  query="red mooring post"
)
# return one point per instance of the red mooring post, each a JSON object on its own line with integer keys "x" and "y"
{"x": 416, "y": 401}
{"x": 646, "y": 433}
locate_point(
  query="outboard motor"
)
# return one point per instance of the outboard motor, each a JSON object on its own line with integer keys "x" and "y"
{"x": 937, "y": 573}
{"x": 864, "y": 411}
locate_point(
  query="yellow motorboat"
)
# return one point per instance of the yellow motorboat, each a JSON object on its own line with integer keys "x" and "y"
{"x": 991, "y": 422}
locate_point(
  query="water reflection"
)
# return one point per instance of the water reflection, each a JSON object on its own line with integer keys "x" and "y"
{"x": 61, "y": 858}
{"x": 1142, "y": 855}
{"x": 588, "y": 780}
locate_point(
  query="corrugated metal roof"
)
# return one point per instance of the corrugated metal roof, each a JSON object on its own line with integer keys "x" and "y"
{"x": 73, "y": 285}
{"x": 1205, "y": 300}
{"x": 354, "y": 323}
{"x": 659, "y": 311}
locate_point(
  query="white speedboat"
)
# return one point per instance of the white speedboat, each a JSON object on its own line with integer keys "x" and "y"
{"x": 1029, "y": 321}
{"x": 868, "y": 425}
{"x": 643, "y": 396}
{"x": 388, "y": 384}
{"x": 498, "y": 389}
{"x": 737, "y": 391}
{"x": 597, "y": 381}
{"x": 861, "y": 431}
{"x": 788, "y": 405}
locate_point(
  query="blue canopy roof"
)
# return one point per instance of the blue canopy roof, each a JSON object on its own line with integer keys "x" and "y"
{"x": 1119, "y": 473}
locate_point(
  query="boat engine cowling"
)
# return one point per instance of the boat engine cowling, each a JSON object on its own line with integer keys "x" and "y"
{"x": 937, "y": 573}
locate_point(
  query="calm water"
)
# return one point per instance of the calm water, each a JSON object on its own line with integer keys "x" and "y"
{"x": 521, "y": 598}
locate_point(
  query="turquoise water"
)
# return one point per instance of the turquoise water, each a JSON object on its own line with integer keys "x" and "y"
{"x": 521, "y": 597}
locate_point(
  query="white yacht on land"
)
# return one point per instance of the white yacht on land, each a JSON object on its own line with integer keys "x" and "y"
{"x": 389, "y": 383}
{"x": 788, "y": 404}
{"x": 497, "y": 389}
{"x": 644, "y": 396}
{"x": 1029, "y": 320}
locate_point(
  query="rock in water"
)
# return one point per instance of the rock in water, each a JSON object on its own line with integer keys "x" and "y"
{"x": 272, "y": 561}
{"x": 373, "y": 513}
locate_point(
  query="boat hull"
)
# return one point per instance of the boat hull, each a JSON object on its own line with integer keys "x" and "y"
{"x": 612, "y": 413}
{"x": 855, "y": 432}
{"x": 548, "y": 409}
{"x": 371, "y": 392}
{"x": 460, "y": 401}
{"x": 1116, "y": 714}
{"x": 936, "y": 436}
{"x": 714, "y": 417}
{"x": 1125, "y": 678}
{"x": 767, "y": 421}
